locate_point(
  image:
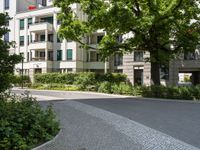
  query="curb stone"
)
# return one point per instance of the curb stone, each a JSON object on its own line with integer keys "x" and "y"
{"x": 43, "y": 145}
{"x": 120, "y": 96}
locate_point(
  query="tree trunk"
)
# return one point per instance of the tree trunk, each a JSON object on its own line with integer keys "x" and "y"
{"x": 155, "y": 73}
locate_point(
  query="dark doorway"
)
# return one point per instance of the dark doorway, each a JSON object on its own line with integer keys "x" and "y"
{"x": 38, "y": 70}
{"x": 138, "y": 77}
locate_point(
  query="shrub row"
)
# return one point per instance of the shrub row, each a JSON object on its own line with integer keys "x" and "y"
{"x": 47, "y": 78}
{"x": 172, "y": 92}
{"x": 24, "y": 124}
{"x": 17, "y": 80}
{"x": 54, "y": 86}
{"x": 82, "y": 79}
{"x": 113, "y": 83}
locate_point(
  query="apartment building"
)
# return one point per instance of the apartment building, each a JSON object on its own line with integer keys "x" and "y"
{"x": 34, "y": 27}
{"x": 185, "y": 64}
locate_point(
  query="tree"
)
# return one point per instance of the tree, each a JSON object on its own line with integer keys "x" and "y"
{"x": 163, "y": 28}
{"x": 7, "y": 61}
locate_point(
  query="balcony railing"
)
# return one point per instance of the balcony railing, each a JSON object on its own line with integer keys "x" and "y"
{"x": 38, "y": 59}
{"x": 39, "y": 41}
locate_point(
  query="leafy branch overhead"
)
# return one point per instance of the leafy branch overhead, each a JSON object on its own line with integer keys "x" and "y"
{"x": 155, "y": 24}
{"x": 7, "y": 61}
{"x": 163, "y": 28}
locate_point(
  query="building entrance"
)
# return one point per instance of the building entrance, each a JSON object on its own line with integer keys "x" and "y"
{"x": 138, "y": 76}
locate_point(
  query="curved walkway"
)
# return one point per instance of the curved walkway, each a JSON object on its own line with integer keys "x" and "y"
{"x": 85, "y": 127}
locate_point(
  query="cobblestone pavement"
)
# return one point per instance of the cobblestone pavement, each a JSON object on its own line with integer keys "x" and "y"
{"x": 85, "y": 127}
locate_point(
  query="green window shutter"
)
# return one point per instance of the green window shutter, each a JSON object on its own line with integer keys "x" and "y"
{"x": 21, "y": 24}
{"x": 69, "y": 54}
{"x": 59, "y": 55}
{"x": 21, "y": 40}
{"x": 30, "y": 21}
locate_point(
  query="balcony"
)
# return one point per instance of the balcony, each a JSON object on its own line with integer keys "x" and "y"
{"x": 40, "y": 26}
{"x": 95, "y": 65}
{"x": 38, "y": 59}
{"x": 40, "y": 45}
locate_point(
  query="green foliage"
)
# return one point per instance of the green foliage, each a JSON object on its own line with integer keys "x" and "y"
{"x": 111, "y": 83}
{"x": 55, "y": 86}
{"x": 66, "y": 78}
{"x": 172, "y": 92}
{"x": 122, "y": 88}
{"x": 163, "y": 28}
{"x": 85, "y": 79}
{"x": 76, "y": 78}
{"x": 105, "y": 87}
{"x": 187, "y": 79}
{"x": 17, "y": 80}
{"x": 24, "y": 124}
{"x": 111, "y": 77}
{"x": 7, "y": 61}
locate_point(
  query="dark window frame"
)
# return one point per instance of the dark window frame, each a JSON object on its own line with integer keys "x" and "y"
{"x": 139, "y": 56}
{"x": 6, "y": 4}
{"x": 59, "y": 58}
{"x": 21, "y": 26}
{"x": 21, "y": 42}
{"x": 71, "y": 56}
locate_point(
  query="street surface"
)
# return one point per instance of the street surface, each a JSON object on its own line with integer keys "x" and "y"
{"x": 103, "y": 122}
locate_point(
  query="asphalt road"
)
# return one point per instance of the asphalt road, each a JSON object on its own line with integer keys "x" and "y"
{"x": 180, "y": 120}
{"x": 177, "y": 119}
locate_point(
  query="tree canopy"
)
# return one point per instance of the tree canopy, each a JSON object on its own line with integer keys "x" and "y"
{"x": 7, "y": 61}
{"x": 163, "y": 28}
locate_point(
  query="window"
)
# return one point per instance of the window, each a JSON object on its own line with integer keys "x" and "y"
{"x": 21, "y": 41}
{"x": 69, "y": 54}
{"x": 42, "y": 38}
{"x": 44, "y": 2}
{"x": 59, "y": 40}
{"x": 42, "y": 54}
{"x": 50, "y": 55}
{"x": 21, "y": 24}
{"x": 50, "y": 37}
{"x": 6, "y": 37}
{"x": 99, "y": 38}
{"x": 6, "y": 4}
{"x": 59, "y": 55}
{"x": 69, "y": 70}
{"x": 118, "y": 60}
{"x": 138, "y": 56}
{"x": 30, "y": 21}
{"x": 47, "y": 19}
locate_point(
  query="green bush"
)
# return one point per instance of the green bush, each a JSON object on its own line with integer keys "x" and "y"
{"x": 47, "y": 78}
{"x": 122, "y": 88}
{"x": 85, "y": 79}
{"x": 24, "y": 124}
{"x": 105, "y": 87}
{"x": 172, "y": 92}
{"x": 17, "y": 80}
{"x": 137, "y": 91}
{"x": 54, "y": 86}
{"x": 111, "y": 77}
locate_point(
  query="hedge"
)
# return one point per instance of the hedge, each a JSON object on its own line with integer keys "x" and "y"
{"x": 47, "y": 78}
{"x": 172, "y": 92}
{"x": 79, "y": 78}
{"x": 24, "y": 124}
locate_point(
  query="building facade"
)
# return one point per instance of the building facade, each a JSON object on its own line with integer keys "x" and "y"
{"x": 34, "y": 28}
